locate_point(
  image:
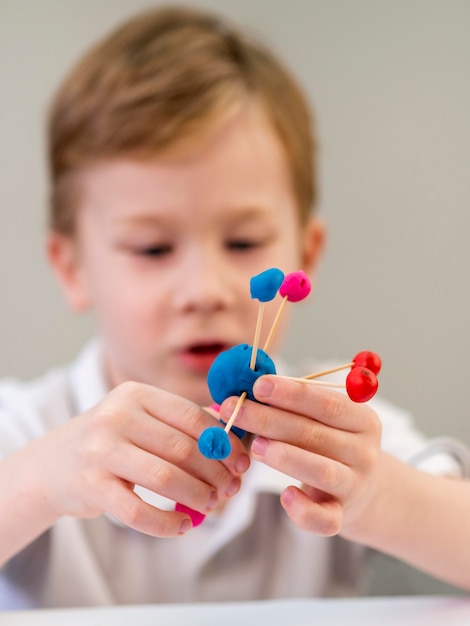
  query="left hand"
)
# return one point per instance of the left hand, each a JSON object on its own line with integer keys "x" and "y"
{"x": 321, "y": 438}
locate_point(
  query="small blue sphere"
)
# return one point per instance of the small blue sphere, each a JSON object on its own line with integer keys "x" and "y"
{"x": 214, "y": 443}
{"x": 230, "y": 374}
{"x": 265, "y": 286}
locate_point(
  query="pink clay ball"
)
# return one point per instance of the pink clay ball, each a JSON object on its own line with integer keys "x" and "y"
{"x": 295, "y": 286}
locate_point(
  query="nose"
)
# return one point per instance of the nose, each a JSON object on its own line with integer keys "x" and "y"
{"x": 204, "y": 284}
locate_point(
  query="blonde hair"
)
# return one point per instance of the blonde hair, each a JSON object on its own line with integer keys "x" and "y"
{"x": 156, "y": 80}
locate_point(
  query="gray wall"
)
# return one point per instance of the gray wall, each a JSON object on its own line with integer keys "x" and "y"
{"x": 390, "y": 84}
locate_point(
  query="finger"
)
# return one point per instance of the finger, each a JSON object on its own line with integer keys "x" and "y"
{"x": 128, "y": 508}
{"x": 298, "y": 430}
{"x": 321, "y": 518}
{"x": 213, "y": 410}
{"x": 315, "y": 470}
{"x": 325, "y": 405}
{"x": 181, "y": 450}
{"x": 139, "y": 467}
{"x": 188, "y": 418}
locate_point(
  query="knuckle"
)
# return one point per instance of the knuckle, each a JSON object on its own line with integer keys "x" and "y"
{"x": 100, "y": 435}
{"x": 312, "y": 436}
{"x": 277, "y": 453}
{"x": 131, "y": 514}
{"x": 165, "y": 526}
{"x": 372, "y": 424}
{"x": 190, "y": 415}
{"x": 370, "y": 456}
{"x": 262, "y": 418}
{"x": 328, "y": 477}
{"x": 325, "y": 523}
{"x": 160, "y": 475}
{"x": 253, "y": 417}
{"x": 183, "y": 449}
{"x": 220, "y": 478}
{"x": 294, "y": 392}
{"x": 331, "y": 525}
{"x": 333, "y": 405}
{"x": 377, "y": 428}
{"x": 127, "y": 388}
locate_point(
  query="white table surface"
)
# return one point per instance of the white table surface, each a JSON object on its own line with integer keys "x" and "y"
{"x": 399, "y": 611}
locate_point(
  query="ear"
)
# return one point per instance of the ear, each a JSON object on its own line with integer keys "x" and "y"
{"x": 313, "y": 245}
{"x": 63, "y": 256}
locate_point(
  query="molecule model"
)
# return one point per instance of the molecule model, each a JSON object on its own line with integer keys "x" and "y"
{"x": 234, "y": 371}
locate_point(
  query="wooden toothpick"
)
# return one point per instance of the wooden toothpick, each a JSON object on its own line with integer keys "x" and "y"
{"x": 254, "y": 352}
{"x": 275, "y": 324}
{"x": 329, "y": 371}
{"x": 257, "y": 335}
{"x": 308, "y": 381}
{"x": 236, "y": 410}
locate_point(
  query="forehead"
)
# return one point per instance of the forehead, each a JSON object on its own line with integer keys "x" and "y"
{"x": 240, "y": 163}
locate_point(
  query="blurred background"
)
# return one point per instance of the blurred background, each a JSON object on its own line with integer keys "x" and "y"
{"x": 389, "y": 84}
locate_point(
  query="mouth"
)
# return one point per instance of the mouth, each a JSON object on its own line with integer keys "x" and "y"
{"x": 200, "y": 356}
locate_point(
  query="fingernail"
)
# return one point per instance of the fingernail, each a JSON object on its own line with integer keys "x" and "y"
{"x": 213, "y": 499}
{"x": 287, "y": 496}
{"x": 259, "y": 445}
{"x": 242, "y": 464}
{"x": 185, "y": 526}
{"x": 263, "y": 388}
{"x": 234, "y": 487}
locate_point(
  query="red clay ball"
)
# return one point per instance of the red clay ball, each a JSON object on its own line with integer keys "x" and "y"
{"x": 370, "y": 360}
{"x": 361, "y": 384}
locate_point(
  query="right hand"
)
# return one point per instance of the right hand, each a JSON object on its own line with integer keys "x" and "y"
{"x": 142, "y": 435}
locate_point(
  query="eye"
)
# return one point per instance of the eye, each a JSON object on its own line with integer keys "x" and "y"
{"x": 241, "y": 245}
{"x": 156, "y": 250}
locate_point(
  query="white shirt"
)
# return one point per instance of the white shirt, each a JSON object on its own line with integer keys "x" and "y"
{"x": 250, "y": 551}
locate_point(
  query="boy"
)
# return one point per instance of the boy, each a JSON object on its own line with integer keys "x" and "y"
{"x": 181, "y": 165}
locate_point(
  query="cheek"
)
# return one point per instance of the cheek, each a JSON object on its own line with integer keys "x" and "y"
{"x": 289, "y": 248}
{"x": 117, "y": 297}
{"x": 131, "y": 322}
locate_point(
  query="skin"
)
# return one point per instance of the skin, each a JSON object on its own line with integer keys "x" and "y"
{"x": 163, "y": 254}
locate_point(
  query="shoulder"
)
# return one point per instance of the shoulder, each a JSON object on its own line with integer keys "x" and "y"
{"x": 31, "y": 409}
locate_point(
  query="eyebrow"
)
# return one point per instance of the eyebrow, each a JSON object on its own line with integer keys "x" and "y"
{"x": 144, "y": 220}
{"x": 234, "y": 215}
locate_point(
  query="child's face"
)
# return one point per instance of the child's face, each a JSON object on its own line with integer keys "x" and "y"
{"x": 165, "y": 250}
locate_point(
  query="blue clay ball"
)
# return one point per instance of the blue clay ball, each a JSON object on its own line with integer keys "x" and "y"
{"x": 265, "y": 286}
{"x": 214, "y": 443}
{"x": 230, "y": 374}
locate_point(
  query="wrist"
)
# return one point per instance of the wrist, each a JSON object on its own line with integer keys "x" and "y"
{"x": 23, "y": 496}
{"x": 369, "y": 518}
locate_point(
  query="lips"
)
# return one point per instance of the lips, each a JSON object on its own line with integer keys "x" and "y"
{"x": 200, "y": 356}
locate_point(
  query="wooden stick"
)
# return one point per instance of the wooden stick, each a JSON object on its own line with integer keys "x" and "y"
{"x": 322, "y": 383}
{"x": 329, "y": 371}
{"x": 275, "y": 324}
{"x": 237, "y": 408}
{"x": 257, "y": 336}
{"x": 254, "y": 352}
